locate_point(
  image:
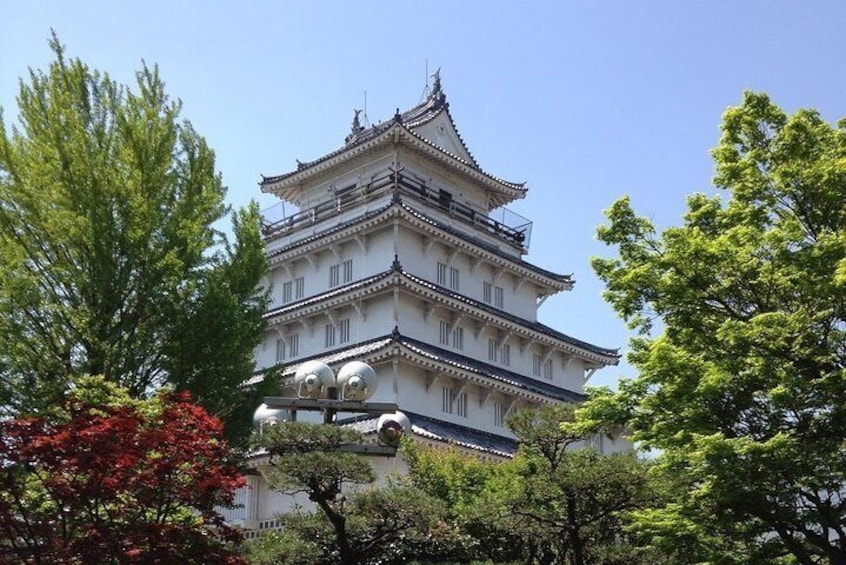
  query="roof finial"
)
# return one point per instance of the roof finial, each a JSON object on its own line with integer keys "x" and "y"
{"x": 356, "y": 126}
{"x": 436, "y": 88}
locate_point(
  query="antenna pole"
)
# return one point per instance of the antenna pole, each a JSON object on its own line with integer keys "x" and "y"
{"x": 366, "y": 119}
{"x": 426, "y": 88}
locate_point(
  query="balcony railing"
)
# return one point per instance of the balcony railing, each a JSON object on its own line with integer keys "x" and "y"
{"x": 514, "y": 230}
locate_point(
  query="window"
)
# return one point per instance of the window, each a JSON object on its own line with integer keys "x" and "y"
{"x": 453, "y": 278}
{"x": 447, "y": 399}
{"x": 344, "y": 326}
{"x": 536, "y": 365}
{"x": 486, "y": 292}
{"x": 547, "y": 370}
{"x": 492, "y": 350}
{"x": 280, "y": 350}
{"x": 442, "y": 274}
{"x": 293, "y": 345}
{"x": 458, "y": 338}
{"x": 299, "y": 287}
{"x": 329, "y": 335}
{"x": 347, "y": 270}
{"x": 286, "y": 292}
{"x": 461, "y": 405}
{"x": 334, "y": 276}
{"x": 505, "y": 355}
{"x": 500, "y": 411}
{"x": 444, "y": 337}
{"x": 499, "y": 296}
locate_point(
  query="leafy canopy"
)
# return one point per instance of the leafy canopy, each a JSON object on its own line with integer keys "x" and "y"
{"x": 103, "y": 478}
{"x": 109, "y": 260}
{"x": 744, "y": 390}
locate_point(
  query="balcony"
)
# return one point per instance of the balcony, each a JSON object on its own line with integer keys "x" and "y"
{"x": 512, "y": 228}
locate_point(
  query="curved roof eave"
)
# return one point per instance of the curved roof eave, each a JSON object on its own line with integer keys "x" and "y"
{"x": 285, "y": 184}
{"x": 318, "y": 303}
{"x": 552, "y": 280}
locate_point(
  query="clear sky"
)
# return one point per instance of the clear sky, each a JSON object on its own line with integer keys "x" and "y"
{"x": 585, "y": 101}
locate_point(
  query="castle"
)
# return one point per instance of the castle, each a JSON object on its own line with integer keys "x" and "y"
{"x": 403, "y": 255}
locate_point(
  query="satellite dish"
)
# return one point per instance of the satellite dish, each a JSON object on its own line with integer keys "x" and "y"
{"x": 312, "y": 378}
{"x": 357, "y": 381}
{"x": 391, "y": 427}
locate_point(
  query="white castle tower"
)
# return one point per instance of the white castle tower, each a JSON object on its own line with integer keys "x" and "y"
{"x": 394, "y": 258}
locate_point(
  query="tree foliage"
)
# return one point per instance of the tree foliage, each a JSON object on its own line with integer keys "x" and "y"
{"x": 355, "y": 522}
{"x": 744, "y": 390}
{"x": 557, "y": 501}
{"x": 109, "y": 260}
{"x": 105, "y": 479}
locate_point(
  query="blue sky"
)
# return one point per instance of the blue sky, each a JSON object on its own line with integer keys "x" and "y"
{"x": 585, "y": 101}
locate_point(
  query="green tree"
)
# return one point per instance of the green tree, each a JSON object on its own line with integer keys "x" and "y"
{"x": 109, "y": 259}
{"x": 744, "y": 390}
{"x": 556, "y": 502}
{"x": 354, "y": 522}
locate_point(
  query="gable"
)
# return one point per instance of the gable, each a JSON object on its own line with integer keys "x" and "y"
{"x": 441, "y": 132}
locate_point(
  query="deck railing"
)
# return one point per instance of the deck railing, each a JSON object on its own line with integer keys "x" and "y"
{"x": 517, "y": 232}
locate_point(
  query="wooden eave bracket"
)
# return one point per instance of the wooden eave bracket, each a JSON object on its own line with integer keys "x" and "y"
{"x": 428, "y": 309}
{"x": 519, "y": 281}
{"x": 333, "y": 317}
{"x": 451, "y": 255}
{"x": 474, "y": 264}
{"x": 503, "y": 339}
{"x": 360, "y": 308}
{"x": 431, "y": 378}
{"x": 484, "y": 394}
{"x": 498, "y": 273}
{"x": 336, "y": 251}
{"x": 428, "y": 242}
{"x": 460, "y": 390}
{"x": 454, "y": 323}
{"x": 542, "y": 298}
{"x": 313, "y": 260}
{"x": 589, "y": 373}
{"x": 481, "y": 326}
{"x": 361, "y": 239}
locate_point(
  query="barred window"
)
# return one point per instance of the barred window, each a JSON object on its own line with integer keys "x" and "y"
{"x": 348, "y": 270}
{"x": 444, "y": 336}
{"x": 547, "y": 370}
{"x": 499, "y": 296}
{"x": 447, "y": 399}
{"x": 458, "y": 338}
{"x": 442, "y": 274}
{"x": 299, "y": 287}
{"x": 344, "y": 326}
{"x": 453, "y": 278}
{"x": 287, "y": 292}
{"x": 486, "y": 292}
{"x": 537, "y": 361}
{"x": 461, "y": 405}
{"x": 500, "y": 411}
{"x": 293, "y": 345}
{"x": 492, "y": 350}
{"x": 280, "y": 350}
{"x": 505, "y": 355}
{"x": 329, "y": 335}
{"x": 334, "y": 276}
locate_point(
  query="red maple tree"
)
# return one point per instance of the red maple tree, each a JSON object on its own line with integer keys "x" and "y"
{"x": 129, "y": 483}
